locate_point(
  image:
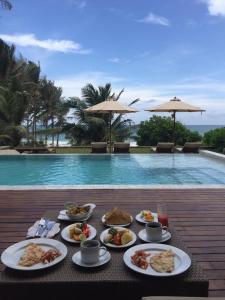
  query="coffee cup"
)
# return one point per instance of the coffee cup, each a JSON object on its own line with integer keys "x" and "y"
{"x": 154, "y": 231}
{"x": 91, "y": 251}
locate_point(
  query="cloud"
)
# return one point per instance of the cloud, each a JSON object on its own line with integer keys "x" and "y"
{"x": 80, "y": 4}
{"x": 215, "y": 7}
{"x": 115, "y": 60}
{"x": 155, "y": 19}
{"x": 72, "y": 84}
{"x": 27, "y": 40}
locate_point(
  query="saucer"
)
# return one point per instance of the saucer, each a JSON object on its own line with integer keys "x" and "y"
{"x": 166, "y": 235}
{"x": 76, "y": 258}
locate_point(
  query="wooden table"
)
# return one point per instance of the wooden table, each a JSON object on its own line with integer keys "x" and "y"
{"x": 111, "y": 281}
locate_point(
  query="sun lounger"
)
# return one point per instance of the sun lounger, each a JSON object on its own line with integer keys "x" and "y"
{"x": 191, "y": 147}
{"x": 98, "y": 147}
{"x": 120, "y": 147}
{"x": 165, "y": 148}
{"x": 35, "y": 150}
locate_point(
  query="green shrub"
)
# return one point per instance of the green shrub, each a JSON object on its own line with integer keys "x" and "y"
{"x": 215, "y": 138}
{"x": 160, "y": 129}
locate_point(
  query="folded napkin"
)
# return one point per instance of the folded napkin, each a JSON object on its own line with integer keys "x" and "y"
{"x": 33, "y": 229}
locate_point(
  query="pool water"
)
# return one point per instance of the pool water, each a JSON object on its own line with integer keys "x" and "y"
{"x": 134, "y": 169}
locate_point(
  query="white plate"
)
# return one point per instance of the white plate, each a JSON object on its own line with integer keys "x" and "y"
{"x": 166, "y": 235}
{"x": 63, "y": 216}
{"x": 66, "y": 237}
{"x": 76, "y": 258}
{"x": 103, "y": 234}
{"x": 10, "y": 257}
{"x": 182, "y": 260}
{"x": 141, "y": 220}
{"x": 121, "y": 225}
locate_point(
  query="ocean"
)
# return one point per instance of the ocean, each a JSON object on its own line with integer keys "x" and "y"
{"x": 200, "y": 128}
{"x": 203, "y": 128}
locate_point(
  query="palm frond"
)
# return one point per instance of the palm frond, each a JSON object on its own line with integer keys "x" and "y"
{"x": 6, "y": 4}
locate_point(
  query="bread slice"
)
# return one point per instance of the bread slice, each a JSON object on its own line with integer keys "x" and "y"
{"x": 117, "y": 217}
{"x": 163, "y": 262}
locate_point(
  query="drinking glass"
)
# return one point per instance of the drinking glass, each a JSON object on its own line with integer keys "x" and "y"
{"x": 162, "y": 214}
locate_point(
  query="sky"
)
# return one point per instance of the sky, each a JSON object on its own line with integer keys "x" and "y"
{"x": 154, "y": 49}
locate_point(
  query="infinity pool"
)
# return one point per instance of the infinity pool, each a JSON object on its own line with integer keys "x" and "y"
{"x": 134, "y": 169}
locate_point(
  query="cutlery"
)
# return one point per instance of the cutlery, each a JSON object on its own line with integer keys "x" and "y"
{"x": 41, "y": 227}
{"x": 49, "y": 226}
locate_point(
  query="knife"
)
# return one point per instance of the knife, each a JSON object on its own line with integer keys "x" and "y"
{"x": 41, "y": 227}
{"x": 49, "y": 226}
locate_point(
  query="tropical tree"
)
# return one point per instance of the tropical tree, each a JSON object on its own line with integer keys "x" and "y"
{"x": 94, "y": 127}
{"x": 159, "y": 129}
{"x": 5, "y": 4}
{"x": 215, "y": 138}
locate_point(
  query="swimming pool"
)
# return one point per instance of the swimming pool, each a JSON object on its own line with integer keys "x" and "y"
{"x": 134, "y": 169}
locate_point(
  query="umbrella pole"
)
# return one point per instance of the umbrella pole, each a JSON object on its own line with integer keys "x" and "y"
{"x": 174, "y": 125}
{"x": 110, "y": 132}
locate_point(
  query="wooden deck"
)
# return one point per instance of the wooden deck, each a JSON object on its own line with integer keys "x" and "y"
{"x": 198, "y": 215}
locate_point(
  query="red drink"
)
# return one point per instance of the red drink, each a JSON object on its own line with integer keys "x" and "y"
{"x": 163, "y": 219}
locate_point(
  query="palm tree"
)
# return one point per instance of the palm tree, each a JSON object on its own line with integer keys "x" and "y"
{"x": 5, "y": 4}
{"x": 94, "y": 127}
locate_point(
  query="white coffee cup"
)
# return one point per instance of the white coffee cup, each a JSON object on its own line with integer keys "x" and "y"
{"x": 91, "y": 251}
{"x": 154, "y": 231}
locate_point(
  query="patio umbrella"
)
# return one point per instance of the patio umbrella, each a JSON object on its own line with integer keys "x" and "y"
{"x": 175, "y": 105}
{"x": 110, "y": 106}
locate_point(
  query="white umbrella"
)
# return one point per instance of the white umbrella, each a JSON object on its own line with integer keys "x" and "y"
{"x": 110, "y": 106}
{"x": 175, "y": 105}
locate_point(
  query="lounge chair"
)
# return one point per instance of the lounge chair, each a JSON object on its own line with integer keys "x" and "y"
{"x": 29, "y": 149}
{"x": 120, "y": 147}
{"x": 165, "y": 148}
{"x": 98, "y": 147}
{"x": 191, "y": 147}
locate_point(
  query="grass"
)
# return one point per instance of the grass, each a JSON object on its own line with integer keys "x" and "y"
{"x": 87, "y": 149}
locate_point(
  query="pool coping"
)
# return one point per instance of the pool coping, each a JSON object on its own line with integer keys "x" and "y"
{"x": 121, "y": 186}
{"x": 112, "y": 187}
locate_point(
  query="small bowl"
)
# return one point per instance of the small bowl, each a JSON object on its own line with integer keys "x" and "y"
{"x": 82, "y": 216}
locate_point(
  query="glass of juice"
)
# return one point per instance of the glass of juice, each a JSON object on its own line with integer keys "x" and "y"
{"x": 162, "y": 214}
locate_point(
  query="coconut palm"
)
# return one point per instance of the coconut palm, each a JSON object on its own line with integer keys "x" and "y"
{"x": 5, "y": 4}
{"x": 94, "y": 127}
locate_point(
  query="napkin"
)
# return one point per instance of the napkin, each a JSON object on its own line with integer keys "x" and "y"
{"x": 33, "y": 229}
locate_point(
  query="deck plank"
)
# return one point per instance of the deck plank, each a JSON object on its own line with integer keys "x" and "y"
{"x": 197, "y": 214}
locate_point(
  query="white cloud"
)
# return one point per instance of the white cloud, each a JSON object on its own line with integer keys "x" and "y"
{"x": 155, "y": 19}
{"x": 209, "y": 95}
{"x": 216, "y": 7}
{"x": 80, "y": 4}
{"x": 72, "y": 84}
{"x": 27, "y": 40}
{"x": 115, "y": 60}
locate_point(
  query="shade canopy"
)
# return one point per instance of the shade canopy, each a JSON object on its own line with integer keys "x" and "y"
{"x": 110, "y": 105}
{"x": 175, "y": 105}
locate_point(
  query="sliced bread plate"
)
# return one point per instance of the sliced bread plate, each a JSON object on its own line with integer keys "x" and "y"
{"x": 181, "y": 260}
{"x": 11, "y": 256}
{"x": 121, "y": 225}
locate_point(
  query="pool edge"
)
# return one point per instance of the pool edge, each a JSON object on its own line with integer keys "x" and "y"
{"x": 111, "y": 187}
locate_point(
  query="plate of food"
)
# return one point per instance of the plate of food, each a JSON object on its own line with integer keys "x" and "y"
{"x": 117, "y": 217}
{"x": 146, "y": 216}
{"x": 118, "y": 237}
{"x": 157, "y": 260}
{"x": 73, "y": 212}
{"x": 78, "y": 232}
{"x": 34, "y": 254}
